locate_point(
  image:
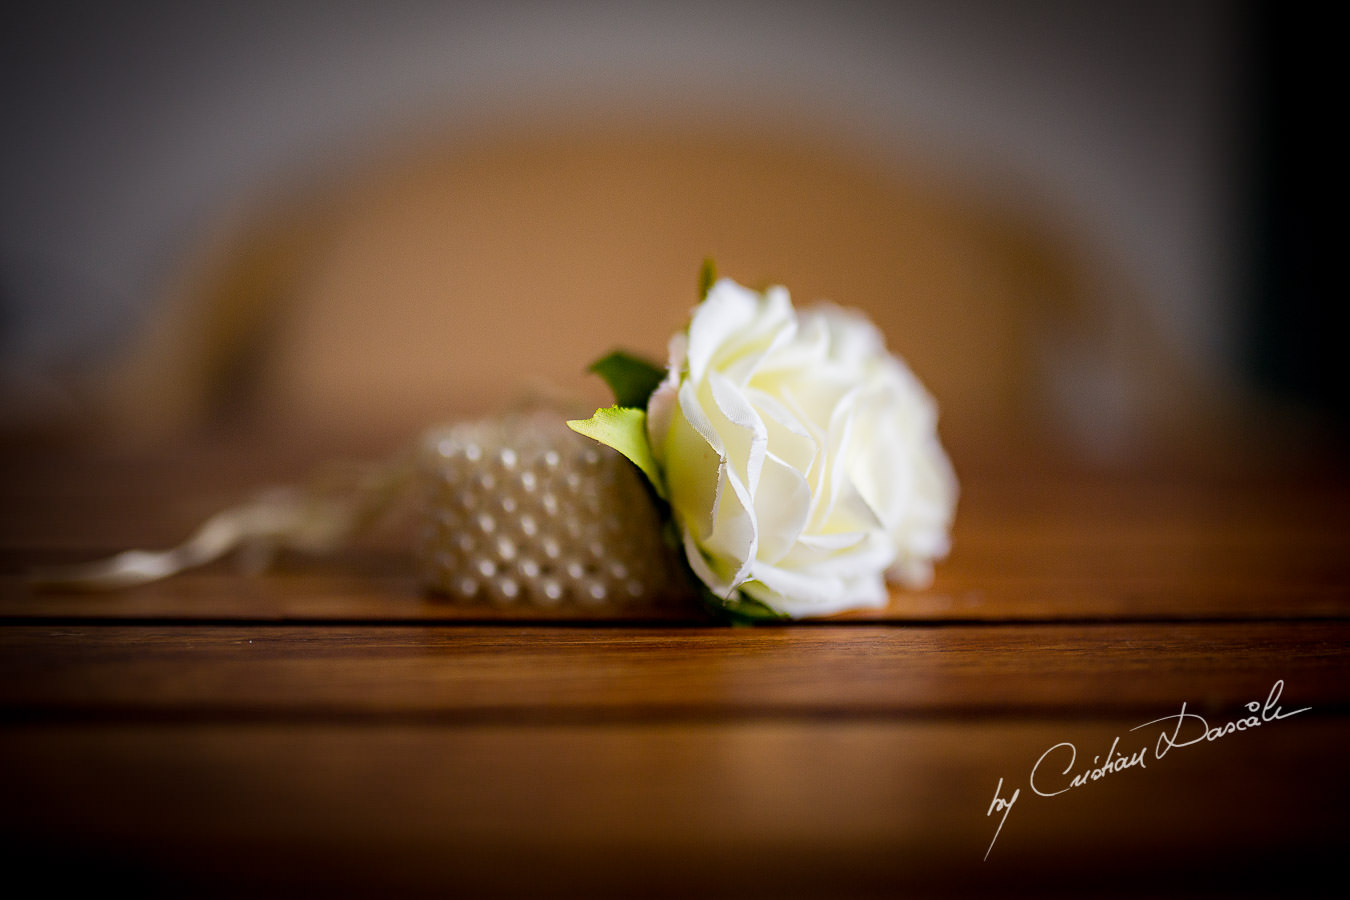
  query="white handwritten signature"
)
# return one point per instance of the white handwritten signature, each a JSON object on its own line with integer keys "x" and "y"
{"x": 1190, "y": 728}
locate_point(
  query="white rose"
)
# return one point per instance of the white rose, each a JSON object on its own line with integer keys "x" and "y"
{"x": 800, "y": 459}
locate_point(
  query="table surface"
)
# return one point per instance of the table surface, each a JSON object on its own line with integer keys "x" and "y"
{"x": 326, "y": 726}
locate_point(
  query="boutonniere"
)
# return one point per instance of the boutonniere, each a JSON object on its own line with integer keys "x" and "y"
{"x": 791, "y": 466}
{"x": 795, "y": 460}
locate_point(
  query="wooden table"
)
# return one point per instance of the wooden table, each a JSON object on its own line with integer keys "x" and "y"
{"x": 326, "y": 727}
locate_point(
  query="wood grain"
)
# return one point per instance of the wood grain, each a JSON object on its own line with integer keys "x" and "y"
{"x": 1050, "y": 542}
{"x": 842, "y": 808}
{"x": 609, "y": 673}
{"x": 327, "y": 728}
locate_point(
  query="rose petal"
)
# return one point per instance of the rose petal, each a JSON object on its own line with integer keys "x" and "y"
{"x": 852, "y": 336}
{"x": 802, "y": 459}
{"x": 691, "y": 460}
{"x": 660, "y": 410}
{"x": 867, "y": 551}
{"x": 742, "y": 431}
{"x": 788, "y": 438}
{"x": 725, "y": 313}
{"x": 913, "y": 572}
{"x": 734, "y": 540}
{"x": 720, "y": 586}
{"x": 798, "y": 594}
{"x": 782, "y": 505}
{"x": 759, "y": 342}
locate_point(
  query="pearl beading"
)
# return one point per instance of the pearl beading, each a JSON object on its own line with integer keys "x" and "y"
{"x": 521, "y": 511}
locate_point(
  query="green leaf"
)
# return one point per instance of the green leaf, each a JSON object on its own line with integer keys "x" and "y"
{"x": 624, "y": 429}
{"x": 707, "y": 276}
{"x": 742, "y": 609}
{"x": 738, "y": 609}
{"x": 631, "y": 378}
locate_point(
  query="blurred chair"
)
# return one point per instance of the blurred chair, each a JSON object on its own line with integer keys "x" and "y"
{"x": 451, "y": 274}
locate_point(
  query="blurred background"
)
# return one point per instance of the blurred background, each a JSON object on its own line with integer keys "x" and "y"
{"x": 1094, "y": 221}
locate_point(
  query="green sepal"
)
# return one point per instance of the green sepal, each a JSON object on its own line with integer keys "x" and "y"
{"x": 631, "y": 378}
{"x": 625, "y": 429}
{"x": 742, "y": 609}
{"x": 738, "y": 609}
{"x": 707, "y": 277}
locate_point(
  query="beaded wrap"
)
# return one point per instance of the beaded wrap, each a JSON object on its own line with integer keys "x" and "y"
{"x": 520, "y": 511}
